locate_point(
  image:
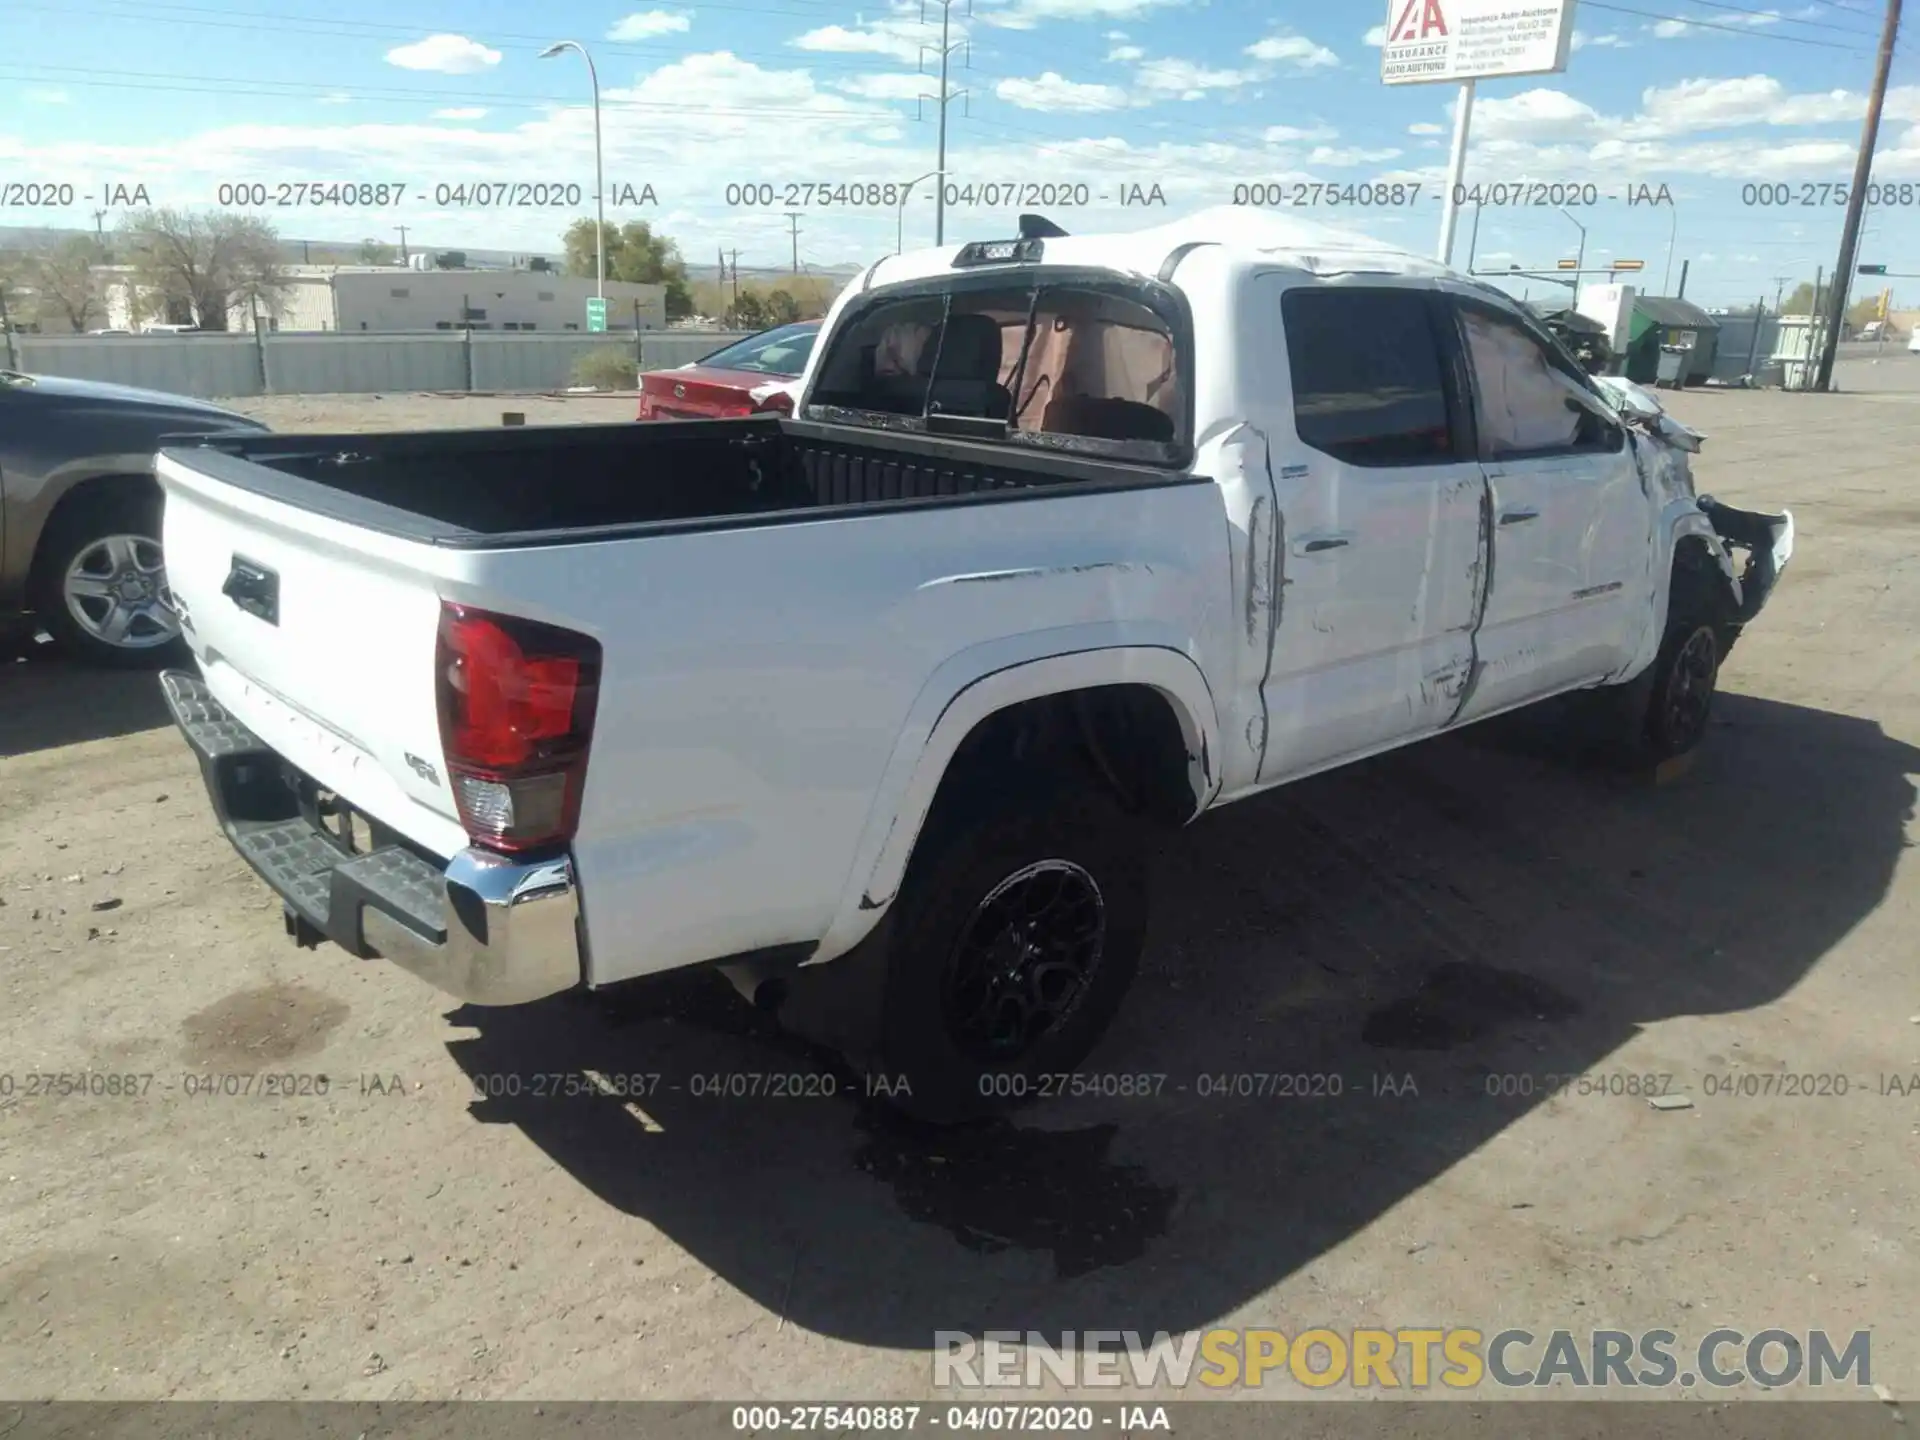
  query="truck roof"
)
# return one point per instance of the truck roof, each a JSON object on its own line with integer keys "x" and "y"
{"x": 1247, "y": 234}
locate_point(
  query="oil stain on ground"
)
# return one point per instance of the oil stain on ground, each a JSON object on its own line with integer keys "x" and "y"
{"x": 1458, "y": 1002}
{"x": 996, "y": 1187}
{"x": 265, "y": 1025}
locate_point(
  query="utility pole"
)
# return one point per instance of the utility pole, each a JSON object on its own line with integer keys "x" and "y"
{"x": 734, "y": 266}
{"x": 404, "y": 257}
{"x": 793, "y": 224}
{"x": 1857, "y": 198}
{"x": 945, "y": 98}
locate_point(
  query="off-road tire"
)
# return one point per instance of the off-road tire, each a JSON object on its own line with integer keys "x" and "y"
{"x": 1066, "y": 835}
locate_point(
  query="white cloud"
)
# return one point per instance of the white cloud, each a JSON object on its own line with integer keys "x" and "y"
{"x": 1609, "y": 41}
{"x": 447, "y": 54}
{"x": 461, "y": 112}
{"x": 1536, "y": 115}
{"x": 1670, "y": 29}
{"x": 337, "y": 97}
{"x": 895, "y": 39}
{"x": 1188, "y": 80}
{"x": 43, "y": 96}
{"x": 1426, "y": 127}
{"x": 1126, "y": 54}
{"x": 1295, "y": 50}
{"x": 888, "y": 87}
{"x": 1115, "y": 35}
{"x": 1292, "y": 134}
{"x": 645, "y": 24}
{"x": 1028, "y": 14}
{"x": 1343, "y": 158}
{"x": 1054, "y": 92}
{"x": 1375, "y": 37}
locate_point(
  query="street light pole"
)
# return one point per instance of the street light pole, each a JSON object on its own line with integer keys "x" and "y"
{"x": 599, "y": 170}
{"x": 1673, "y": 234}
{"x": 900, "y": 215}
{"x": 1580, "y": 261}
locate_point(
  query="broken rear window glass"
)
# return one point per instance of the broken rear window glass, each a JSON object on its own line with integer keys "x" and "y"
{"x": 1062, "y": 366}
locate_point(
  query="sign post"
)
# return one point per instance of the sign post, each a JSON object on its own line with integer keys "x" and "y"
{"x": 1461, "y": 41}
{"x": 596, "y": 314}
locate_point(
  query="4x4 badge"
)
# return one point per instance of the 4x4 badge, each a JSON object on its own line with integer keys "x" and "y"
{"x": 423, "y": 769}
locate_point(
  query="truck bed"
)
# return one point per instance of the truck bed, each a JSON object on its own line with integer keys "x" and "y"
{"x": 537, "y": 484}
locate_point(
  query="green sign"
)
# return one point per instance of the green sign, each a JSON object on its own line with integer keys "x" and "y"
{"x": 596, "y": 314}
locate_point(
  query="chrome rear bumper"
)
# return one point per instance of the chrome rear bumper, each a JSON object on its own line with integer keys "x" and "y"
{"x": 486, "y": 929}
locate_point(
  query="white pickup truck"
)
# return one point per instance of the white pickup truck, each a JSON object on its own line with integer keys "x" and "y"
{"x": 878, "y": 707}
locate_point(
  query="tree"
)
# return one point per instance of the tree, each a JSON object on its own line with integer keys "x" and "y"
{"x": 1800, "y": 302}
{"x": 636, "y": 255}
{"x": 203, "y": 266}
{"x": 782, "y": 308}
{"x": 748, "y": 312}
{"x": 376, "y": 252}
{"x": 450, "y": 260}
{"x": 64, "y": 284}
{"x": 1863, "y": 312}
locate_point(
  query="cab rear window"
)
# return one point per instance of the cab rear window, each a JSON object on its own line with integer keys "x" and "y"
{"x": 1061, "y": 365}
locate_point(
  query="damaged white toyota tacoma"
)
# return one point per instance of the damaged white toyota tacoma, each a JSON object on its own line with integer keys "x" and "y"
{"x": 877, "y": 707}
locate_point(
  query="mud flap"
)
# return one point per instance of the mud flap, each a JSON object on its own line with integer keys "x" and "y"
{"x": 1768, "y": 541}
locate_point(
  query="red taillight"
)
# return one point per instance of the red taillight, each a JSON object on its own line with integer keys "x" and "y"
{"x": 779, "y": 403}
{"x": 516, "y": 701}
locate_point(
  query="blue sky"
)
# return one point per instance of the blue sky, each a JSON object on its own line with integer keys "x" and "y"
{"x": 1192, "y": 96}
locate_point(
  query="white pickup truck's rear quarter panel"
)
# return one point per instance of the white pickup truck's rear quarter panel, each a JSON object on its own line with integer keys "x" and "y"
{"x": 748, "y": 709}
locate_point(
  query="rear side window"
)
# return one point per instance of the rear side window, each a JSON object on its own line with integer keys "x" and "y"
{"x": 780, "y": 351}
{"x": 1368, "y": 384}
{"x": 1062, "y": 365}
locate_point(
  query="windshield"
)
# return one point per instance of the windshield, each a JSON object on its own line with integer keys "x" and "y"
{"x": 780, "y": 351}
{"x": 1066, "y": 365}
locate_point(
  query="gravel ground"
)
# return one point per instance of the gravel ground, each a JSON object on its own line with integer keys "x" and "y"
{"x": 1473, "y": 908}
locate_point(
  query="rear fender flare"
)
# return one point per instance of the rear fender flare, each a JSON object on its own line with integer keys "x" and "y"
{"x": 978, "y": 683}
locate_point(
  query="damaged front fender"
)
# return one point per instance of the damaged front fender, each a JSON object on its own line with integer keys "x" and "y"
{"x": 1768, "y": 541}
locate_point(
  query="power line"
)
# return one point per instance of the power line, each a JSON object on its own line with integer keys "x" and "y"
{"x": 214, "y": 85}
{"x": 329, "y": 29}
{"x": 1776, "y": 17}
{"x": 1752, "y": 30}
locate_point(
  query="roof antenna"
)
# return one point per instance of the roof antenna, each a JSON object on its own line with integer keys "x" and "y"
{"x": 1038, "y": 227}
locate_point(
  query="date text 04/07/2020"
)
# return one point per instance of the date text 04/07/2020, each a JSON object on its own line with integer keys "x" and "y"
{"x": 892, "y": 194}
{"x": 444, "y": 195}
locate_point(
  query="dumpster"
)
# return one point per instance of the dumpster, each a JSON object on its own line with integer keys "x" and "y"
{"x": 1673, "y": 366}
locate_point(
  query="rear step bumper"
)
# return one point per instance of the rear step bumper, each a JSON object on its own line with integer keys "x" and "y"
{"x": 483, "y": 928}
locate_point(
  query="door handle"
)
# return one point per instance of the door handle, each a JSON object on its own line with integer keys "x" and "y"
{"x": 1317, "y": 544}
{"x": 1519, "y": 517}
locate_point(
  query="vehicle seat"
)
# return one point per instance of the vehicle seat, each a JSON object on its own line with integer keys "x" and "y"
{"x": 969, "y": 379}
{"x": 1101, "y": 417}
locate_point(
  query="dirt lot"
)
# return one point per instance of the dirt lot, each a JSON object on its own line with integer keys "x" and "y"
{"x": 1475, "y": 908}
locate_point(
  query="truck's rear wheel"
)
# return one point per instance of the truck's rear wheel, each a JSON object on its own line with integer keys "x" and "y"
{"x": 1015, "y": 938}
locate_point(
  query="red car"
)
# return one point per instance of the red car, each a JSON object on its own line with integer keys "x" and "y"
{"x": 750, "y": 376}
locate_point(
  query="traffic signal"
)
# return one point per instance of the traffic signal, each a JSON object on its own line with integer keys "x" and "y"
{"x": 1873, "y": 269}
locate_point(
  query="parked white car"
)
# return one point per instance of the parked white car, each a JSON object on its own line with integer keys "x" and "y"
{"x": 878, "y": 708}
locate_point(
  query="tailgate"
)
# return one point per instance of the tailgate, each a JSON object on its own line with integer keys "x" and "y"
{"x": 318, "y": 635}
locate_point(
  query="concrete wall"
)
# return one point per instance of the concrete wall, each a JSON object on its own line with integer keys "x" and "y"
{"x": 213, "y": 366}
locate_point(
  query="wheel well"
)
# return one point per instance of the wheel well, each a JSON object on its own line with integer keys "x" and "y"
{"x": 96, "y": 491}
{"x": 1126, "y": 738}
{"x": 1700, "y": 586}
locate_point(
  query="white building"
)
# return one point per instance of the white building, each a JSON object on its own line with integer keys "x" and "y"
{"x": 385, "y": 299}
